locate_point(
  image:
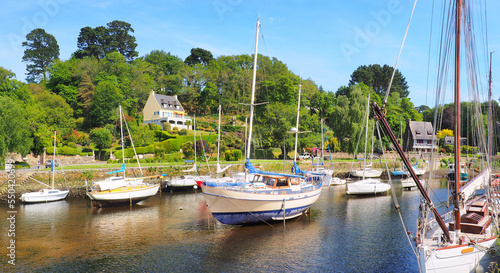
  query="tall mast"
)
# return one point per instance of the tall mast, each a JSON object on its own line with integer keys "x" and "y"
{"x": 123, "y": 148}
{"x": 54, "y": 161}
{"x": 218, "y": 139}
{"x": 297, "y": 128}
{"x": 490, "y": 116}
{"x": 458, "y": 9}
{"x": 366, "y": 134}
{"x": 194, "y": 131}
{"x": 252, "y": 99}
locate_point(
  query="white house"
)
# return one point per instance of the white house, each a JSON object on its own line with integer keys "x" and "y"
{"x": 161, "y": 108}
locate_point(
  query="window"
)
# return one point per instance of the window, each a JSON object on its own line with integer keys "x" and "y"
{"x": 270, "y": 181}
{"x": 429, "y": 141}
{"x": 417, "y": 132}
{"x": 282, "y": 182}
{"x": 420, "y": 141}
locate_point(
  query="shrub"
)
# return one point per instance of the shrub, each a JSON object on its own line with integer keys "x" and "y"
{"x": 183, "y": 132}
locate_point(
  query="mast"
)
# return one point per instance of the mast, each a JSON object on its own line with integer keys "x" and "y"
{"x": 123, "y": 148}
{"x": 54, "y": 161}
{"x": 297, "y": 128}
{"x": 490, "y": 116}
{"x": 194, "y": 131}
{"x": 385, "y": 125}
{"x": 218, "y": 139}
{"x": 366, "y": 134}
{"x": 456, "y": 203}
{"x": 252, "y": 99}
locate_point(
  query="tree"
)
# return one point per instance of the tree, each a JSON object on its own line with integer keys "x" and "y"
{"x": 378, "y": 79}
{"x": 14, "y": 128}
{"x": 120, "y": 40}
{"x": 199, "y": 56}
{"x": 102, "y": 138}
{"x": 98, "y": 42}
{"x": 41, "y": 50}
{"x": 91, "y": 43}
{"x": 105, "y": 101}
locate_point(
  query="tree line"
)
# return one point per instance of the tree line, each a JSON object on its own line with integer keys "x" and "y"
{"x": 81, "y": 94}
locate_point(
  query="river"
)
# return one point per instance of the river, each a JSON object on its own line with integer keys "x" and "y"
{"x": 173, "y": 232}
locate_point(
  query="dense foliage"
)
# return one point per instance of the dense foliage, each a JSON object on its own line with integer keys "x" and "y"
{"x": 81, "y": 95}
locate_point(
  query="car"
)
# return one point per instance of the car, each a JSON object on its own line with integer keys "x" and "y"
{"x": 48, "y": 164}
{"x": 305, "y": 156}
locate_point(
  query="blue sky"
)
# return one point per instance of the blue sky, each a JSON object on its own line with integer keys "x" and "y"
{"x": 321, "y": 40}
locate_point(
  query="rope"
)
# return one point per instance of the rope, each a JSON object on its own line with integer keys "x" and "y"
{"x": 399, "y": 55}
{"x": 394, "y": 197}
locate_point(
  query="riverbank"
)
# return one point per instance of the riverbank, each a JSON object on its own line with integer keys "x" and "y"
{"x": 77, "y": 180}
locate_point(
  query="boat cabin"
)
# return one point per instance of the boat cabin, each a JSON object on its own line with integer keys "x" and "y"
{"x": 273, "y": 181}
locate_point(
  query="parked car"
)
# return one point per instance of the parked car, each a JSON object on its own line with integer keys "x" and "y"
{"x": 305, "y": 156}
{"x": 48, "y": 164}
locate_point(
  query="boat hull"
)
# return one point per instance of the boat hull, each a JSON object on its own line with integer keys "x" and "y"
{"x": 44, "y": 196}
{"x": 462, "y": 258}
{"x": 125, "y": 196}
{"x": 234, "y": 207}
{"x": 367, "y": 173}
{"x": 367, "y": 186}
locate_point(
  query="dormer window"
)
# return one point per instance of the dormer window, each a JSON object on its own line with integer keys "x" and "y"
{"x": 417, "y": 132}
{"x": 429, "y": 133}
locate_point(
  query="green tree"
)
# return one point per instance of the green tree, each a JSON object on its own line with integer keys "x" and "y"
{"x": 100, "y": 41}
{"x": 120, "y": 39}
{"x": 41, "y": 50}
{"x": 105, "y": 101}
{"x": 378, "y": 77}
{"x": 14, "y": 129}
{"x": 102, "y": 139}
{"x": 199, "y": 56}
{"x": 91, "y": 43}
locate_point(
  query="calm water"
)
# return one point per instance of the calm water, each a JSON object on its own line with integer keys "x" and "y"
{"x": 175, "y": 233}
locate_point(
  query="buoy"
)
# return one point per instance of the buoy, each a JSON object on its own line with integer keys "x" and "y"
{"x": 180, "y": 208}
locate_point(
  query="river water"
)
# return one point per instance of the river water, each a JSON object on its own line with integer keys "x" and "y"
{"x": 173, "y": 232}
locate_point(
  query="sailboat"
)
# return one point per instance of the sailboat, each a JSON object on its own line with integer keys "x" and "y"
{"x": 122, "y": 190}
{"x": 366, "y": 170}
{"x": 189, "y": 181}
{"x": 368, "y": 184}
{"x": 46, "y": 195}
{"x": 460, "y": 239}
{"x": 322, "y": 174}
{"x": 268, "y": 196}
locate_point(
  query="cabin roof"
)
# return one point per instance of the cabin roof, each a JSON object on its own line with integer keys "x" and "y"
{"x": 168, "y": 102}
{"x": 421, "y": 129}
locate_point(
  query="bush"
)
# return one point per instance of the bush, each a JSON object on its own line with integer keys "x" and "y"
{"x": 183, "y": 132}
{"x": 175, "y": 157}
{"x": 232, "y": 155}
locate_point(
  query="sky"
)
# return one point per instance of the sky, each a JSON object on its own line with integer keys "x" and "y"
{"x": 324, "y": 41}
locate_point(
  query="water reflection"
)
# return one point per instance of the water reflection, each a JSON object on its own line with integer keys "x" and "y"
{"x": 175, "y": 232}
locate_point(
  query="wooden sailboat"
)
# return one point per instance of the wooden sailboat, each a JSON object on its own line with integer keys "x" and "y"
{"x": 268, "y": 196}
{"x": 121, "y": 190}
{"x": 46, "y": 195}
{"x": 460, "y": 239}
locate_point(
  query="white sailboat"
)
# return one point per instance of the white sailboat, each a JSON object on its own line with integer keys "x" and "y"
{"x": 269, "y": 196}
{"x": 46, "y": 195}
{"x": 459, "y": 240}
{"x": 189, "y": 181}
{"x": 366, "y": 170}
{"x": 121, "y": 190}
{"x": 368, "y": 184}
{"x": 322, "y": 175}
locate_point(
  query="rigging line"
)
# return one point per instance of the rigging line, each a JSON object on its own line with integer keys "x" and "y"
{"x": 393, "y": 194}
{"x": 399, "y": 55}
{"x": 429, "y": 54}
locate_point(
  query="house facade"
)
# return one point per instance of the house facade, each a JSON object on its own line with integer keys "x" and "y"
{"x": 419, "y": 137}
{"x": 160, "y": 109}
